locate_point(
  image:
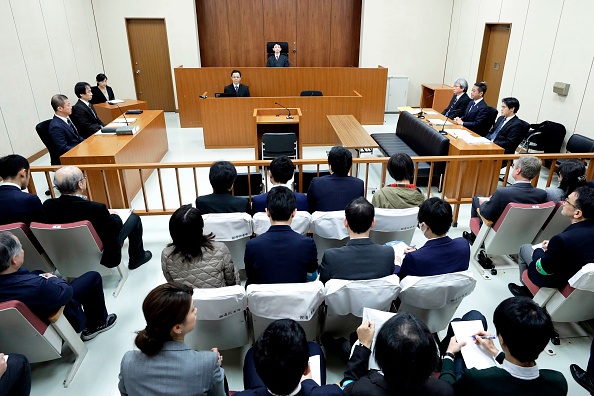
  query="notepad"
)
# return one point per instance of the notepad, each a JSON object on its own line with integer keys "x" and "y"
{"x": 475, "y": 356}
{"x": 378, "y": 318}
{"x": 123, "y": 213}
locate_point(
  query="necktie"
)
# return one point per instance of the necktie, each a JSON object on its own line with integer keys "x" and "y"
{"x": 236, "y": 89}
{"x": 471, "y": 108}
{"x": 72, "y": 127}
{"x": 93, "y": 110}
{"x": 452, "y": 106}
{"x": 277, "y": 57}
{"x": 493, "y": 134}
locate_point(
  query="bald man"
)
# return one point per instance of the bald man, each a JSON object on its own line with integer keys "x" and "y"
{"x": 73, "y": 206}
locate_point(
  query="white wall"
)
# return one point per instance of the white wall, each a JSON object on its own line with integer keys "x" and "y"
{"x": 46, "y": 48}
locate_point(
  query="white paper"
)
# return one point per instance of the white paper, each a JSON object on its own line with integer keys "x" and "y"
{"x": 121, "y": 120}
{"x": 123, "y": 213}
{"x": 457, "y": 133}
{"x": 378, "y": 318}
{"x": 538, "y": 245}
{"x": 314, "y": 367}
{"x": 475, "y": 140}
{"x": 398, "y": 252}
{"x": 115, "y": 101}
{"x": 431, "y": 112}
{"x": 439, "y": 121}
{"x": 474, "y": 355}
{"x": 414, "y": 111}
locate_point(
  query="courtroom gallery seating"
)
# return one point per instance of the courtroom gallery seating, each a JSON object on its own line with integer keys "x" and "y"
{"x": 37, "y": 259}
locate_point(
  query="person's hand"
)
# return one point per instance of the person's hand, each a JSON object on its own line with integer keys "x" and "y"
{"x": 482, "y": 200}
{"x": 3, "y": 365}
{"x": 455, "y": 346}
{"x": 47, "y": 275}
{"x": 409, "y": 249}
{"x": 365, "y": 333}
{"x": 458, "y": 121}
{"x": 220, "y": 357}
{"x": 398, "y": 259}
{"x": 545, "y": 245}
{"x": 486, "y": 343}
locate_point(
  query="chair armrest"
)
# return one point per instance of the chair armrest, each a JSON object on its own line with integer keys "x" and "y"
{"x": 486, "y": 222}
{"x": 543, "y": 295}
{"x": 54, "y": 318}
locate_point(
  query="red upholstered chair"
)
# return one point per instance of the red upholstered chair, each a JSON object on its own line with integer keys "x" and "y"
{"x": 555, "y": 224}
{"x": 75, "y": 248}
{"x": 21, "y": 331}
{"x": 36, "y": 258}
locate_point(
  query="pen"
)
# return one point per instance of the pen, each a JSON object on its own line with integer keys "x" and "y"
{"x": 491, "y": 337}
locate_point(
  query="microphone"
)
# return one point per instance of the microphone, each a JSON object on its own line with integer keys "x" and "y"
{"x": 443, "y": 132}
{"x": 203, "y": 96}
{"x": 421, "y": 115}
{"x": 125, "y": 119}
{"x": 289, "y": 117}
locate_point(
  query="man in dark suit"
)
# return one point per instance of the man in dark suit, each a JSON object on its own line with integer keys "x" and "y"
{"x": 440, "y": 254}
{"x": 476, "y": 115}
{"x": 222, "y": 175}
{"x": 15, "y": 374}
{"x": 61, "y": 129}
{"x": 15, "y": 204}
{"x": 282, "y": 170}
{"x": 508, "y": 130}
{"x": 280, "y": 255}
{"x": 334, "y": 192}
{"x": 72, "y": 206}
{"x": 102, "y": 92}
{"x": 237, "y": 88}
{"x": 524, "y": 170}
{"x": 360, "y": 259}
{"x": 459, "y": 101}
{"x": 83, "y": 113}
{"x": 566, "y": 253}
{"x": 45, "y": 293}
{"x": 277, "y": 60}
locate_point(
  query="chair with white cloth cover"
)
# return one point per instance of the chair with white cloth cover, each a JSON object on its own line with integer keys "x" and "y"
{"x": 300, "y": 224}
{"x": 328, "y": 231}
{"x": 233, "y": 229}
{"x": 394, "y": 225}
{"x": 36, "y": 258}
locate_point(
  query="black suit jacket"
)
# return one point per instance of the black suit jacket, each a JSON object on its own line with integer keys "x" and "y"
{"x": 18, "y": 206}
{"x": 98, "y": 96}
{"x": 459, "y": 108}
{"x": 511, "y": 135}
{"x": 283, "y": 61}
{"x": 222, "y": 203}
{"x": 85, "y": 119}
{"x": 63, "y": 136}
{"x": 477, "y": 119}
{"x": 308, "y": 388}
{"x": 70, "y": 209}
{"x": 360, "y": 259}
{"x": 243, "y": 91}
{"x": 333, "y": 192}
{"x": 522, "y": 193}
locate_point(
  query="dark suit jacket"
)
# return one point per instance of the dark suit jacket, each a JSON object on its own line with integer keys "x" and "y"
{"x": 280, "y": 255}
{"x": 98, "y": 96}
{"x": 511, "y": 135}
{"x": 333, "y": 192}
{"x": 70, "y": 209}
{"x": 459, "y": 108}
{"x": 360, "y": 259}
{"x": 283, "y": 61}
{"x": 18, "y": 206}
{"x": 476, "y": 120}
{"x": 566, "y": 254}
{"x": 222, "y": 203}
{"x": 522, "y": 193}
{"x": 85, "y": 119}
{"x": 243, "y": 91}
{"x": 63, "y": 136}
{"x": 259, "y": 202}
{"x": 308, "y": 388}
{"x": 437, "y": 256}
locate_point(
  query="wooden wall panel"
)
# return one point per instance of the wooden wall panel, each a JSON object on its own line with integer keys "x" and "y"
{"x": 280, "y": 24}
{"x": 246, "y": 33}
{"x": 213, "y": 33}
{"x": 345, "y": 30}
{"x": 313, "y": 32}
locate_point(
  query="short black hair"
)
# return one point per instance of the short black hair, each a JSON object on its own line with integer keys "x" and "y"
{"x": 235, "y": 71}
{"x": 512, "y": 103}
{"x": 280, "y": 203}
{"x": 406, "y": 352}
{"x": 222, "y": 175}
{"x": 482, "y": 87}
{"x": 340, "y": 160}
{"x": 80, "y": 88}
{"x": 437, "y": 214}
{"x": 58, "y": 100}
{"x": 359, "y": 214}
{"x": 282, "y": 169}
{"x": 401, "y": 167}
{"x": 281, "y": 355}
{"x": 12, "y": 164}
{"x": 100, "y": 77}
{"x": 585, "y": 201}
{"x": 524, "y": 326}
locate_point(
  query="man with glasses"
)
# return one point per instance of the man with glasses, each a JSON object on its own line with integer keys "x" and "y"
{"x": 459, "y": 101}
{"x": 560, "y": 258}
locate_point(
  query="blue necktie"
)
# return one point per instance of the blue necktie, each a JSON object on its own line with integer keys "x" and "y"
{"x": 471, "y": 108}
{"x": 493, "y": 134}
{"x": 452, "y": 106}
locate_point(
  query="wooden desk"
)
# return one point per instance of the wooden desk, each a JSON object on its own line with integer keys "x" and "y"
{"x": 442, "y": 94}
{"x": 270, "y": 121}
{"x": 351, "y": 135}
{"x": 148, "y": 145}
{"x": 107, "y": 113}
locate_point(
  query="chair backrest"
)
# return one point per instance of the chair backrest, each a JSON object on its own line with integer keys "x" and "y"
{"x": 328, "y": 230}
{"x": 220, "y": 318}
{"x": 297, "y": 301}
{"x": 283, "y": 44}
{"x": 491, "y": 117}
{"x": 579, "y": 144}
{"x": 311, "y": 93}
{"x": 233, "y": 229}
{"x": 279, "y": 144}
{"x": 555, "y": 224}
{"x": 300, "y": 223}
{"x": 575, "y": 302}
{"x": 308, "y": 175}
{"x": 36, "y": 258}
{"x": 394, "y": 224}
{"x": 43, "y": 131}
{"x": 434, "y": 299}
{"x": 242, "y": 188}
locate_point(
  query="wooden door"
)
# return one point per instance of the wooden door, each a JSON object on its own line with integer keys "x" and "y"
{"x": 149, "y": 54}
{"x": 492, "y": 61}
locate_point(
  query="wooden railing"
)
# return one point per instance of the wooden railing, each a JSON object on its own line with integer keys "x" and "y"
{"x": 365, "y": 165}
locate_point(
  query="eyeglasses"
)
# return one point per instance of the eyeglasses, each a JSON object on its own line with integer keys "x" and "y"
{"x": 566, "y": 201}
{"x": 83, "y": 178}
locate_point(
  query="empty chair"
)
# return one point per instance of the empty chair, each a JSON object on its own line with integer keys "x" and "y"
{"x": 221, "y": 319}
{"x": 75, "y": 248}
{"x": 21, "y": 331}
{"x": 301, "y": 222}
{"x": 345, "y": 300}
{"x": 233, "y": 229}
{"x": 298, "y": 301}
{"x": 278, "y": 144}
{"x": 434, "y": 299}
{"x": 37, "y": 259}
{"x": 311, "y": 93}
{"x": 394, "y": 225}
{"x": 554, "y": 225}
{"x": 328, "y": 231}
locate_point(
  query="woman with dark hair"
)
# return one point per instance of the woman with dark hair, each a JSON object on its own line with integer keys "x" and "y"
{"x": 102, "y": 92}
{"x": 405, "y": 352}
{"x": 164, "y": 364}
{"x": 571, "y": 175}
{"x": 193, "y": 258}
{"x": 402, "y": 194}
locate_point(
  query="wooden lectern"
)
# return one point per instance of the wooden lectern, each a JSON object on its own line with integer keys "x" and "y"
{"x": 275, "y": 121}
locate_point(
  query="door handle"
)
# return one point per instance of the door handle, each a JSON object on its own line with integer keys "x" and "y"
{"x": 137, "y": 71}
